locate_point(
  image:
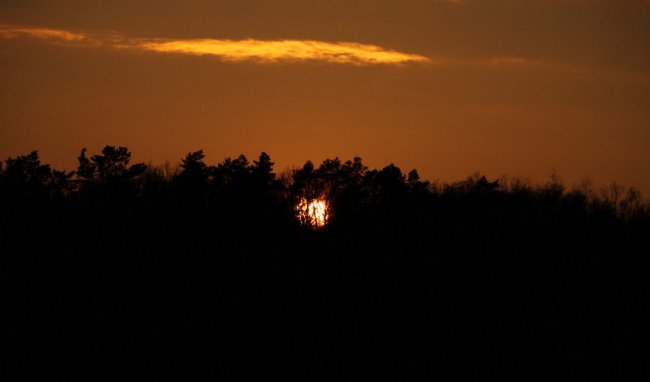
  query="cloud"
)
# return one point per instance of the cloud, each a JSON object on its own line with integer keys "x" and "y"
{"x": 259, "y": 51}
{"x": 285, "y": 51}
{"x": 42, "y": 33}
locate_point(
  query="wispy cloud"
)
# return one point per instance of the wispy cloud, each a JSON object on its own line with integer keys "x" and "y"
{"x": 259, "y": 51}
{"x": 285, "y": 51}
{"x": 43, "y": 33}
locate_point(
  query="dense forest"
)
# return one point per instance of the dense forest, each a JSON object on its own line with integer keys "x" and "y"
{"x": 230, "y": 269}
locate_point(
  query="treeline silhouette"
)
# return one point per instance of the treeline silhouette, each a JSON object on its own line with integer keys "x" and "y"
{"x": 119, "y": 268}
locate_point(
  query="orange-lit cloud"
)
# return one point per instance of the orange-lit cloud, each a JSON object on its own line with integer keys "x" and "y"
{"x": 261, "y": 51}
{"x": 43, "y": 33}
{"x": 285, "y": 51}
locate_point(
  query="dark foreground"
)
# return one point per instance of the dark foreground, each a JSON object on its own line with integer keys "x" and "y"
{"x": 121, "y": 272}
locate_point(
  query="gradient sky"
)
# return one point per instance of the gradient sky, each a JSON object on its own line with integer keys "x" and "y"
{"x": 504, "y": 87}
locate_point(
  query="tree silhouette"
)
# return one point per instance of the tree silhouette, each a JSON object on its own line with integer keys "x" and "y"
{"x": 25, "y": 176}
{"x": 86, "y": 169}
{"x": 390, "y": 183}
{"x": 193, "y": 164}
{"x": 194, "y": 171}
{"x": 306, "y": 182}
{"x": 109, "y": 176}
{"x": 27, "y": 170}
{"x": 263, "y": 182}
{"x": 119, "y": 257}
{"x": 263, "y": 168}
{"x": 110, "y": 167}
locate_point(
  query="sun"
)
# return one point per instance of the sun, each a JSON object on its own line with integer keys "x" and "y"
{"x": 314, "y": 213}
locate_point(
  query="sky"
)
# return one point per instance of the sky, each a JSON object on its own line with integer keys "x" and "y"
{"x": 521, "y": 88}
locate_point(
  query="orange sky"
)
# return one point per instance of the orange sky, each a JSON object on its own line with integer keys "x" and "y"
{"x": 504, "y": 87}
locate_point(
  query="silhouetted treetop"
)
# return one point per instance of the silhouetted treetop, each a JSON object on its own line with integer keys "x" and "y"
{"x": 193, "y": 163}
{"x": 109, "y": 167}
{"x": 26, "y": 176}
{"x": 263, "y": 166}
{"x": 349, "y": 186}
{"x": 26, "y": 169}
{"x": 195, "y": 172}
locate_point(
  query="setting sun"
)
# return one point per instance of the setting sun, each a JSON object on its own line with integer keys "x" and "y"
{"x": 314, "y": 189}
{"x": 314, "y": 213}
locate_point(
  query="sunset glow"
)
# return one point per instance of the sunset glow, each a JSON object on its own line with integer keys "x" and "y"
{"x": 261, "y": 188}
{"x": 450, "y": 87}
{"x": 314, "y": 213}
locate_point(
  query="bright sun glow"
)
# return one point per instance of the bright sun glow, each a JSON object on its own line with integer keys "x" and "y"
{"x": 314, "y": 213}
